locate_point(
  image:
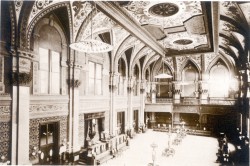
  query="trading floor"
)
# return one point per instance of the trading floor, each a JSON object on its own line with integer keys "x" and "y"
{"x": 193, "y": 150}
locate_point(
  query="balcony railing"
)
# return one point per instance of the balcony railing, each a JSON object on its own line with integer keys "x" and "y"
{"x": 195, "y": 101}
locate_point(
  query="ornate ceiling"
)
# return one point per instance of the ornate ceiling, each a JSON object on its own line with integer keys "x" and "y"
{"x": 182, "y": 26}
{"x": 152, "y": 28}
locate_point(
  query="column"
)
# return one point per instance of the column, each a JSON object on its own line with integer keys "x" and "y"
{"x": 176, "y": 118}
{"x": 112, "y": 114}
{"x": 153, "y": 92}
{"x": 177, "y": 93}
{"x": 21, "y": 78}
{"x": 203, "y": 89}
{"x": 130, "y": 111}
{"x": 142, "y": 100}
{"x": 74, "y": 86}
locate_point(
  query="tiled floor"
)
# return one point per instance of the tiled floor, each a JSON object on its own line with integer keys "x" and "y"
{"x": 193, "y": 151}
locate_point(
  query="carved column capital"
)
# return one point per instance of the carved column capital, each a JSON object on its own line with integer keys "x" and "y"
{"x": 74, "y": 83}
{"x": 142, "y": 90}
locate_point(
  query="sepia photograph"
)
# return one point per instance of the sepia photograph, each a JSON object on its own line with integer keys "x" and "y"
{"x": 124, "y": 83}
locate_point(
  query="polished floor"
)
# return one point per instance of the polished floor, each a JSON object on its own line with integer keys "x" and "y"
{"x": 192, "y": 151}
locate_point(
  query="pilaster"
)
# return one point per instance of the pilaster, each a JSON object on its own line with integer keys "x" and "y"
{"x": 130, "y": 110}
{"x": 142, "y": 100}
{"x": 112, "y": 113}
{"x": 20, "y": 80}
{"x": 177, "y": 92}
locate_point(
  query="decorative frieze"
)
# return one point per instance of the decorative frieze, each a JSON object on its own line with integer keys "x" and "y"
{"x": 48, "y": 108}
{"x": 42, "y": 111}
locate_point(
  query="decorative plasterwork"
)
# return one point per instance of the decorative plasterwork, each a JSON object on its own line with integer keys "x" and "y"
{"x": 48, "y": 108}
{"x": 41, "y": 111}
{"x": 140, "y": 10}
{"x": 38, "y": 6}
{"x": 18, "y": 6}
{"x": 170, "y": 61}
{"x": 197, "y": 59}
{"x": 119, "y": 35}
{"x": 5, "y": 139}
{"x": 172, "y": 40}
{"x": 5, "y": 113}
{"x": 32, "y": 22}
{"x": 208, "y": 59}
{"x": 179, "y": 61}
{"x": 229, "y": 9}
{"x": 34, "y": 129}
{"x": 129, "y": 42}
{"x": 80, "y": 11}
{"x": 100, "y": 23}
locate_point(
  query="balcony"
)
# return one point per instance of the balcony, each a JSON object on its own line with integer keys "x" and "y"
{"x": 195, "y": 101}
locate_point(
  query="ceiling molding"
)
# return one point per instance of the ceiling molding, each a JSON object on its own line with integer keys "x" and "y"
{"x": 112, "y": 10}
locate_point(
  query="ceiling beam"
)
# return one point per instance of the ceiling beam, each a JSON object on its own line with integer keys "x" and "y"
{"x": 116, "y": 13}
{"x": 215, "y": 18}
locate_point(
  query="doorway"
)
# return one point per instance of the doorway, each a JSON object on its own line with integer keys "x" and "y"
{"x": 120, "y": 123}
{"x": 49, "y": 143}
{"x": 136, "y": 121}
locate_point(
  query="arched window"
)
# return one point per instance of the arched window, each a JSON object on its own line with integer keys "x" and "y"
{"x": 218, "y": 81}
{"x": 189, "y": 81}
{"x": 49, "y": 69}
{"x": 95, "y": 78}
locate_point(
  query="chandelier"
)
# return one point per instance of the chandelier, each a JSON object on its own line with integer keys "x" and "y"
{"x": 163, "y": 75}
{"x": 91, "y": 45}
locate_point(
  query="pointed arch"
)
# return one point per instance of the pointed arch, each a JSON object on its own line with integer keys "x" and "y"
{"x": 187, "y": 62}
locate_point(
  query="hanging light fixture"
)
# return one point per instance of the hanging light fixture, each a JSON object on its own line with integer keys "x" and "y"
{"x": 91, "y": 45}
{"x": 163, "y": 75}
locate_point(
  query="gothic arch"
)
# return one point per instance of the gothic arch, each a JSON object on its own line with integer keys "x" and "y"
{"x": 187, "y": 62}
{"x": 36, "y": 19}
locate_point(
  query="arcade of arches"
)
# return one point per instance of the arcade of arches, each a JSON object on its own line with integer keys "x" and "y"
{"x": 62, "y": 106}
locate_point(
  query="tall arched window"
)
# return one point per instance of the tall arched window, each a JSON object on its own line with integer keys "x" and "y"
{"x": 49, "y": 69}
{"x": 218, "y": 81}
{"x": 190, "y": 77}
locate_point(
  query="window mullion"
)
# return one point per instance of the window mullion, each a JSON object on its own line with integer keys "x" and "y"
{"x": 50, "y": 70}
{"x": 95, "y": 79}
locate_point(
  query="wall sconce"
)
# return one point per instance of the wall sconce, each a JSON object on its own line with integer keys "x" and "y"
{"x": 4, "y": 160}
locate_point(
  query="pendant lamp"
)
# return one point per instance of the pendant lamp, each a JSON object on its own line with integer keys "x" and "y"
{"x": 163, "y": 75}
{"x": 91, "y": 45}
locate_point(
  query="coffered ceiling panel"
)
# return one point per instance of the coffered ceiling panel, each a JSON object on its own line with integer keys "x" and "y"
{"x": 181, "y": 27}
